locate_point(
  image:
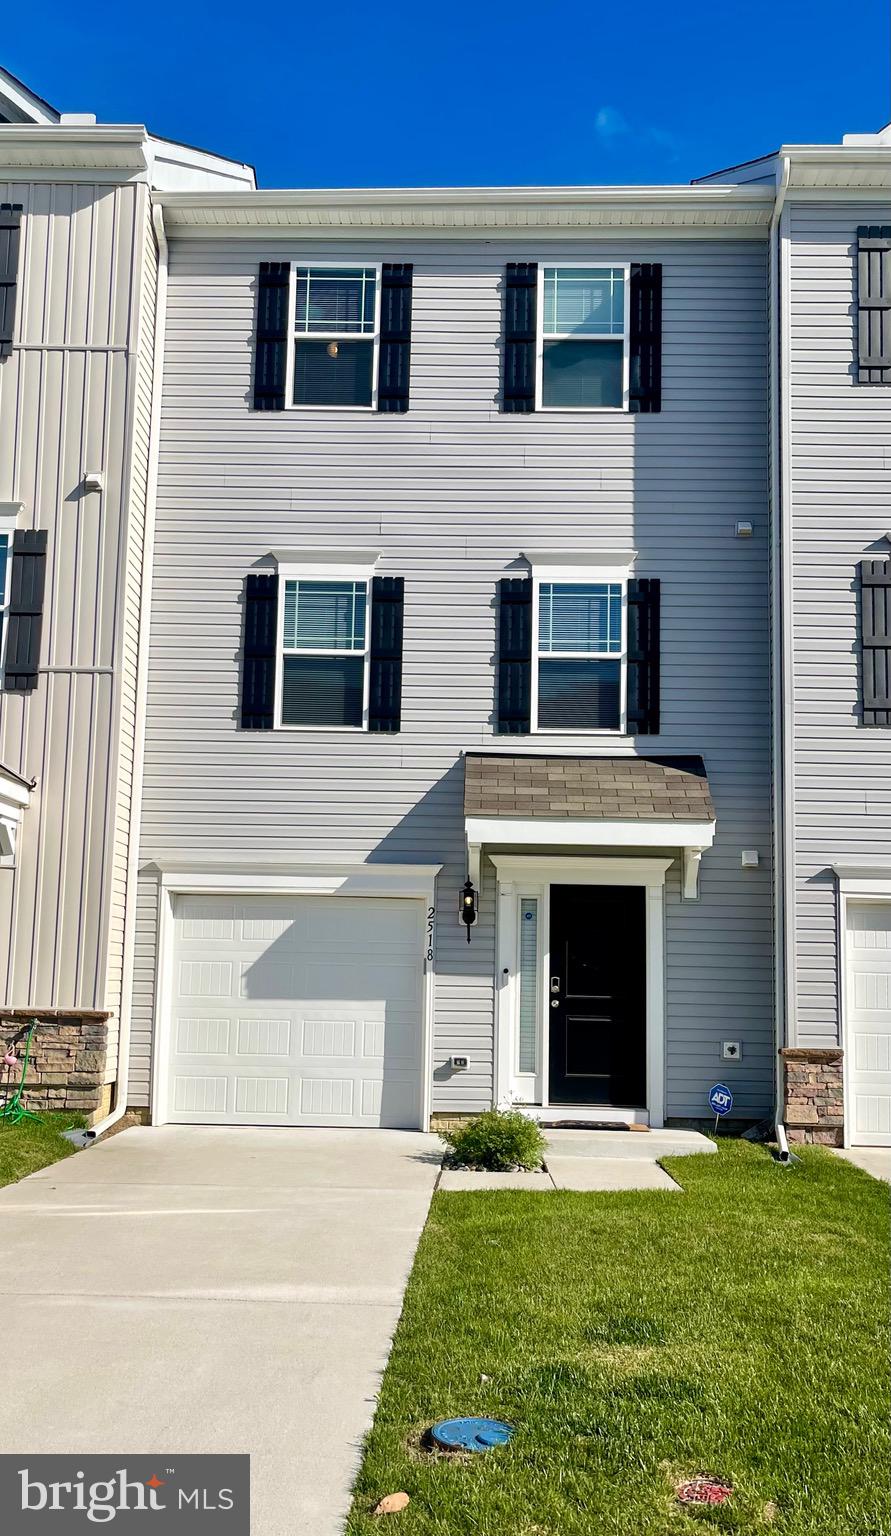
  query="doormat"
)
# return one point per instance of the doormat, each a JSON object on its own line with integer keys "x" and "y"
{"x": 586, "y": 1125}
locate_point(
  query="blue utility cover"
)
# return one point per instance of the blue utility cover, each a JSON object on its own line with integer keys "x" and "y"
{"x": 470, "y": 1434}
{"x": 721, "y": 1099}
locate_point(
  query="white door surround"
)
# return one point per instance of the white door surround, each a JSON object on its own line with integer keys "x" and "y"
{"x": 320, "y": 881}
{"x": 864, "y": 936}
{"x": 524, "y": 876}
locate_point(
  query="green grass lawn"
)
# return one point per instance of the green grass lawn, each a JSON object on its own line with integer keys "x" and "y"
{"x": 739, "y": 1329}
{"x": 33, "y": 1144}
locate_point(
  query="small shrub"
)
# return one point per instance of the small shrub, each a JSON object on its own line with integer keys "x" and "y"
{"x": 498, "y": 1140}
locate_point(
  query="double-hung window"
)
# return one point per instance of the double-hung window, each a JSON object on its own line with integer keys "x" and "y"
{"x": 579, "y": 655}
{"x": 583, "y": 338}
{"x": 323, "y": 652}
{"x": 335, "y": 336}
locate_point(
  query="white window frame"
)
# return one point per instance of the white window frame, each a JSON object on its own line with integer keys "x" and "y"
{"x": 9, "y": 514}
{"x": 580, "y": 575}
{"x": 362, "y": 576}
{"x": 541, "y": 338}
{"x": 293, "y": 334}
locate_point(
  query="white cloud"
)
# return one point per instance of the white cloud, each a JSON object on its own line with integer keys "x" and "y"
{"x": 610, "y": 123}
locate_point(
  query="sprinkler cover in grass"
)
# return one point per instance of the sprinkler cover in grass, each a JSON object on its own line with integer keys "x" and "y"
{"x": 470, "y": 1434}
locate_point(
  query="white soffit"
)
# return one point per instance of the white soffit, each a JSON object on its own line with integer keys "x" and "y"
{"x": 556, "y": 210}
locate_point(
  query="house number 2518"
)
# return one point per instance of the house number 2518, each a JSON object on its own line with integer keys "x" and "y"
{"x": 428, "y": 950}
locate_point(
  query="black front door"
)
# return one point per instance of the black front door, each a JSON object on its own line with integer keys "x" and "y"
{"x": 597, "y": 995}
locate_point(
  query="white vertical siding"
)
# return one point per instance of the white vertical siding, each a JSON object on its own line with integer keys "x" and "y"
{"x": 840, "y": 445}
{"x": 69, "y": 402}
{"x": 452, "y": 493}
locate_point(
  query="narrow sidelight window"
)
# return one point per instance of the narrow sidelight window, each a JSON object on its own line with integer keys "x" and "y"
{"x": 580, "y": 656}
{"x": 583, "y": 338}
{"x": 324, "y": 653}
{"x": 335, "y": 341}
{"x": 527, "y": 1035}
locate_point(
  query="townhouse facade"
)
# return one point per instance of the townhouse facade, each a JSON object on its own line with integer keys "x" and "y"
{"x": 509, "y": 667}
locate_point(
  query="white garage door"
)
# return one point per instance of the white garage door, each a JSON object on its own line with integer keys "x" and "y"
{"x": 296, "y": 1011}
{"x": 869, "y": 1023}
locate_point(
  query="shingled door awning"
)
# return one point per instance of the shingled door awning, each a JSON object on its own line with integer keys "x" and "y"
{"x": 588, "y": 802}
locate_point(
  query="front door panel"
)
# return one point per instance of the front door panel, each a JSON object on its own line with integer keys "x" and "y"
{"x": 597, "y": 995}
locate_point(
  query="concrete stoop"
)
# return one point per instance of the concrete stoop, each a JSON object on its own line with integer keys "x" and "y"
{"x": 593, "y": 1160}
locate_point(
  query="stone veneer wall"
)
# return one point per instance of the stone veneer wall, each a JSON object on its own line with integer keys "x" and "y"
{"x": 814, "y": 1097}
{"x": 67, "y": 1063}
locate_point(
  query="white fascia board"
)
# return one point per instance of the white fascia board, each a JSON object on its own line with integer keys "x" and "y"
{"x": 534, "y": 212}
{"x": 33, "y": 108}
{"x": 57, "y": 147}
{"x": 177, "y": 167}
{"x": 839, "y": 168}
{"x": 528, "y": 831}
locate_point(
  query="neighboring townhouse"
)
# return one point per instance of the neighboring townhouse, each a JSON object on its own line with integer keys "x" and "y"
{"x": 461, "y": 607}
{"x": 78, "y": 264}
{"x": 834, "y": 475}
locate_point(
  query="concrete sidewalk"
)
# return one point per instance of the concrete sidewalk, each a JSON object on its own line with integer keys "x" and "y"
{"x": 594, "y": 1160}
{"x": 188, "y": 1289}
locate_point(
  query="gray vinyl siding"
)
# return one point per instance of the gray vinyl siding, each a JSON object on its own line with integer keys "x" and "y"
{"x": 452, "y": 493}
{"x": 841, "y": 513}
{"x": 69, "y": 395}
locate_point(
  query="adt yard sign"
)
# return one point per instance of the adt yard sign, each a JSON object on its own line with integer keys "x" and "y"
{"x": 721, "y": 1099}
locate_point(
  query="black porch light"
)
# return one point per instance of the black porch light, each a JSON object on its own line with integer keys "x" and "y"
{"x": 467, "y": 905}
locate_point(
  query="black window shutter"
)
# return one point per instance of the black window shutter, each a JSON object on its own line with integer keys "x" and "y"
{"x": 385, "y": 690}
{"x": 514, "y": 656}
{"x": 394, "y": 367}
{"x": 518, "y": 362}
{"x": 643, "y": 657}
{"x": 875, "y": 641}
{"x": 258, "y": 655}
{"x": 645, "y": 393}
{"x": 874, "y": 303}
{"x": 271, "y": 342}
{"x": 25, "y": 611}
{"x": 10, "y": 230}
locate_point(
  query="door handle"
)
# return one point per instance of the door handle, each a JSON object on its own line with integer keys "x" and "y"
{"x": 555, "y": 1002}
{"x": 555, "y": 983}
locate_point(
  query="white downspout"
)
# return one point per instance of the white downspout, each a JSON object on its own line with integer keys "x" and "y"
{"x": 781, "y": 598}
{"x": 145, "y": 606}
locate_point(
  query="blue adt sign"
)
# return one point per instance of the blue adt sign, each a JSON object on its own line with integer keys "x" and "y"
{"x": 721, "y": 1099}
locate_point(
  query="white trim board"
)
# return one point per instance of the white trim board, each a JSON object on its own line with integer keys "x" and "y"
{"x": 410, "y": 881}
{"x": 692, "y": 838}
{"x": 520, "y": 876}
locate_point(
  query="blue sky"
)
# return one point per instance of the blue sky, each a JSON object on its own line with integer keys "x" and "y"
{"x": 491, "y": 93}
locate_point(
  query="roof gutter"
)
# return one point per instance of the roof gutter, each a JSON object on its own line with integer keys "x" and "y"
{"x": 145, "y": 604}
{"x": 781, "y": 634}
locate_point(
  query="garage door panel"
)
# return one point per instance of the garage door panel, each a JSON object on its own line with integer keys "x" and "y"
{"x": 299, "y": 1017}
{"x": 868, "y": 1043}
{"x": 202, "y": 1037}
{"x": 205, "y": 978}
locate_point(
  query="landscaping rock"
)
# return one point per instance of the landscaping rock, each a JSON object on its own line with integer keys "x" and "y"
{"x": 391, "y": 1504}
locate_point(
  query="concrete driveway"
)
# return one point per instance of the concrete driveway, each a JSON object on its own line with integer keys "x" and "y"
{"x": 195, "y": 1289}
